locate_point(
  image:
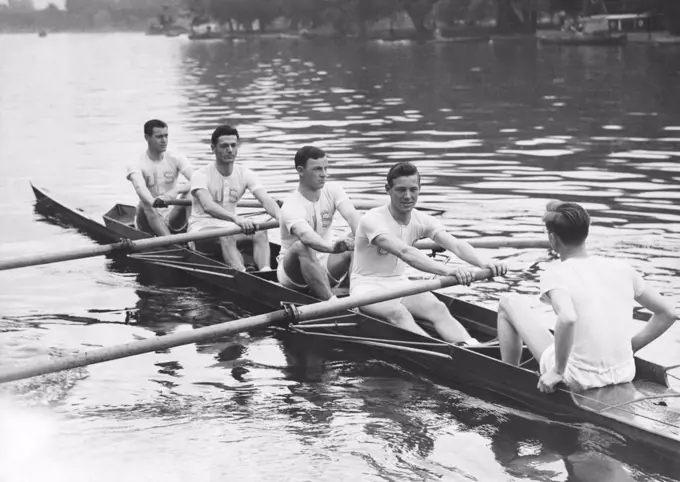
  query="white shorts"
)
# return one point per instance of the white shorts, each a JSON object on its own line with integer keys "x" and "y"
{"x": 581, "y": 379}
{"x": 209, "y": 223}
{"x": 362, "y": 285}
{"x": 284, "y": 280}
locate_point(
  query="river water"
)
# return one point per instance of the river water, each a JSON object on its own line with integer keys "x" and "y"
{"x": 497, "y": 130}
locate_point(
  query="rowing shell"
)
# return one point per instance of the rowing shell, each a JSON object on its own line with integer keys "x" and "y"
{"x": 646, "y": 411}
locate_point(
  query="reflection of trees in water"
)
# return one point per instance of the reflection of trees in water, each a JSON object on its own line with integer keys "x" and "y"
{"x": 498, "y": 93}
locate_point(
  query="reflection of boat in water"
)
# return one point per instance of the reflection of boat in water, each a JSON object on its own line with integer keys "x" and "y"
{"x": 570, "y": 38}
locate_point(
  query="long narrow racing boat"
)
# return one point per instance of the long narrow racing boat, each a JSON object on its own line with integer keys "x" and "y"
{"x": 646, "y": 411}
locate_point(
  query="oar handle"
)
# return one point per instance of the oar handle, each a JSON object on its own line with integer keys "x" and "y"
{"x": 127, "y": 246}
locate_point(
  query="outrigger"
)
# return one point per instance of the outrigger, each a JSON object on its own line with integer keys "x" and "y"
{"x": 645, "y": 411}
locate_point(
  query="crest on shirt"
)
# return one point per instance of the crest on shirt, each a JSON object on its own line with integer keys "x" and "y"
{"x": 233, "y": 196}
{"x": 326, "y": 218}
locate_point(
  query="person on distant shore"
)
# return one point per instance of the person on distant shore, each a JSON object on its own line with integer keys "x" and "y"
{"x": 154, "y": 176}
{"x": 384, "y": 246}
{"x": 593, "y": 298}
{"x": 217, "y": 189}
{"x": 310, "y": 259}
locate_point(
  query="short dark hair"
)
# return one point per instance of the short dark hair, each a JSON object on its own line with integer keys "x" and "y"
{"x": 150, "y": 125}
{"x": 306, "y": 153}
{"x": 569, "y": 221}
{"x": 401, "y": 169}
{"x": 224, "y": 130}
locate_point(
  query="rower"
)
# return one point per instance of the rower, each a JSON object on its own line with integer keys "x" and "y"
{"x": 154, "y": 175}
{"x": 217, "y": 189}
{"x": 384, "y": 246}
{"x": 593, "y": 298}
{"x": 310, "y": 259}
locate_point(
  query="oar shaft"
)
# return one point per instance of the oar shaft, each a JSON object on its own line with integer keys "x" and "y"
{"x": 130, "y": 246}
{"x": 325, "y": 308}
{"x": 492, "y": 243}
{"x": 316, "y": 310}
{"x": 145, "y": 346}
{"x": 254, "y": 203}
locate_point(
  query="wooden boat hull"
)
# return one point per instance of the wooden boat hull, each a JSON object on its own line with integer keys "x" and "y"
{"x": 625, "y": 408}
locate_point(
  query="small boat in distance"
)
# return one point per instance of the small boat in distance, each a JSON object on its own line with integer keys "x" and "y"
{"x": 579, "y": 38}
{"x": 42, "y": 33}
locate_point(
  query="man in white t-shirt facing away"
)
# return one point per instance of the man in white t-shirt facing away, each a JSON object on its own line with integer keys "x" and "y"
{"x": 384, "y": 246}
{"x": 154, "y": 175}
{"x": 593, "y": 298}
{"x": 217, "y": 189}
{"x": 310, "y": 260}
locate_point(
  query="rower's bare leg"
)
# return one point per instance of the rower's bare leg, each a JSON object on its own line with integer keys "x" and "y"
{"x": 156, "y": 221}
{"x": 338, "y": 266}
{"x": 178, "y": 217}
{"x": 426, "y": 306}
{"x": 302, "y": 267}
{"x": 396, "y": 313}
{"x": 517, "y": 323}
{"x": 232, "y": 256}
{"x": 261, "y": 251}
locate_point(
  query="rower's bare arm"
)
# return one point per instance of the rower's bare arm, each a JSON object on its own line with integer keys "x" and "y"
{"x": 350, "y": 214}
{"x": 460, "y": 248}
{"x": 143, "y": 192}
{"x": 664, "y": 315}
{"x": 409, "y": 255}
{"x": 564, "y": 308}
{"x": 268, "y": 203}
{"x": 312, "y": 239}
{"x": 211, "y": 207}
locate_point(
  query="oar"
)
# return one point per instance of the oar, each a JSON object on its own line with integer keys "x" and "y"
{"x": 491, "y": 242}
{"x": 254, "y": 203}
{"x": 126, "y": 246}
{"x": 488, "y": 242}
{"x": 300, "y": 313}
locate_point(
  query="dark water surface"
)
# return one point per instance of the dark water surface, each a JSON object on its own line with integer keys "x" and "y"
{"x": 496, "y": 129}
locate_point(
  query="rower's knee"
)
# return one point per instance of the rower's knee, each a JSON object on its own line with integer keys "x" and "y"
{"x": 260, "y": 237}
{"x": 301, "y": 250}
{"x": 508, "y": 303}
{"x": 228, "y": 241}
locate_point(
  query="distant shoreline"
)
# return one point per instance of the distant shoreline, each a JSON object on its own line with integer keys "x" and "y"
{"x": 475, "y": 34}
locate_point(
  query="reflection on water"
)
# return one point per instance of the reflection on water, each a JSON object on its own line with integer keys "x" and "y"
{"x": 496, "y": 129}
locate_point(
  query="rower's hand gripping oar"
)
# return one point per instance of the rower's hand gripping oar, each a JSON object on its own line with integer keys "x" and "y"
{"x": 127, "y": 246}
{"x": 285, "y": 316}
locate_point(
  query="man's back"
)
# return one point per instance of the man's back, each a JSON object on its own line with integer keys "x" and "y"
{"x": 603, "y": 292}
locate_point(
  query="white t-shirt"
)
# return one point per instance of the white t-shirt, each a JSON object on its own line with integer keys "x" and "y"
{"x": 160, "y": 176}
{"x": 603, "y": 292}
{"x": 297, "y": 211}
{"x": 370, "y": 261}
{"x": 225, "y": 190}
